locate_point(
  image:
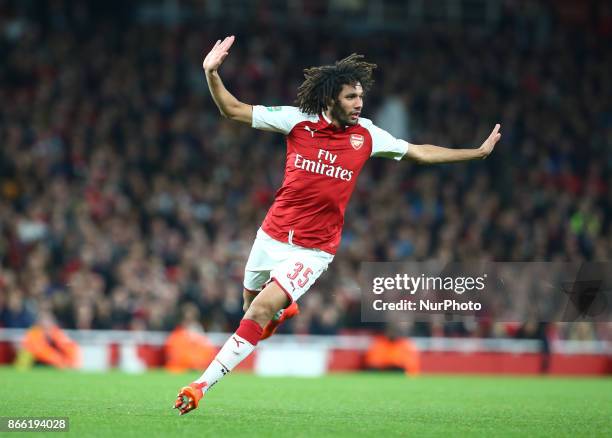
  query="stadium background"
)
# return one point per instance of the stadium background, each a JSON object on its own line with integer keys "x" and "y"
{"x": 124, "y": 194}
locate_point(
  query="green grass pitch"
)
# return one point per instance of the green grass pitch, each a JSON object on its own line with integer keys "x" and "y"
{"x": 116, "y": 405}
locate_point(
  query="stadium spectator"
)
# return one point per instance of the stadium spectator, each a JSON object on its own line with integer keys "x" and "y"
{"x": 17, "y": 312}
{"x": 389, "y": 352}
{"x": 532, "y": 329}
{"x": 46, "y": 343}
{"x": 187, "y": 348}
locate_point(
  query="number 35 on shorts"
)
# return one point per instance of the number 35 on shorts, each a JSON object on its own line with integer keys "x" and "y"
{"x": 299, "y": 271}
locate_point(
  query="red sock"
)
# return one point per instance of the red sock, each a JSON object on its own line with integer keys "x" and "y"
{"x": 250, "y": 331}
{"x": 235, "y": 350}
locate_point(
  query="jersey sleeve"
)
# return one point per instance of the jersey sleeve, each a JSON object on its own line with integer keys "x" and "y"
{"x": 276, "y": 118}
{"x": 384, "y": 144}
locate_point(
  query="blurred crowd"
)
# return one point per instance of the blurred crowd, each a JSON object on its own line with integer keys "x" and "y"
{"x": 125, "y": 195}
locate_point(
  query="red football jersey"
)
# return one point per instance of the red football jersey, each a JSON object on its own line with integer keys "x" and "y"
{"x": 323, "y": 163}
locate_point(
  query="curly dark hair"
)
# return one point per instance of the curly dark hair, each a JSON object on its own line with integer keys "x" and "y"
{"x": 322, "y": 84}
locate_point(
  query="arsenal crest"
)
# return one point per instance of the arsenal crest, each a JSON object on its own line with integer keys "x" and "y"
{"x": 356, "y": 141}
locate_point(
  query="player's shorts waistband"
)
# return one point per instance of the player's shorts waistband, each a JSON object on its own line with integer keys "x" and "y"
{"x": 263, "y": 235}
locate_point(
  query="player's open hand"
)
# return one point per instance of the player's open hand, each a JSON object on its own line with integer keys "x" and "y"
{"x": 487, "y": 147}
{"x": 217, "y": 55}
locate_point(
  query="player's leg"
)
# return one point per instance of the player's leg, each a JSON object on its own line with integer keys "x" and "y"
{"x": 265, "y": 253}
{"x": 294, "y": 270}
{"x": 280, "y": 317}
{"x": 269, "y": 301}
{"x": 295, "y": 276}
{"x": 254, "y": 281}
{"x": 240, "y": 345}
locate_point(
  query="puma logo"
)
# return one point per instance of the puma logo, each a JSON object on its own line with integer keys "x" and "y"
{"x": 312, "y": 131}
{"x": 237, "y": 342}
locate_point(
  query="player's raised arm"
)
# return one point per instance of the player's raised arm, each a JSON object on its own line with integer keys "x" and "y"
{"x": 228, "y": 105}
{"x": 430, "y": 154}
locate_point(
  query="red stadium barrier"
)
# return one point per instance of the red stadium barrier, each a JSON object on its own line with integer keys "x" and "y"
{"x": 455, "y": 362}
{"x": 346, "y": 353}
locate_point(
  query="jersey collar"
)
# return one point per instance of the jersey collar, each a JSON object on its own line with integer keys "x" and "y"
{"x": 324, "y": 117}
{"x": 329, "y": 122}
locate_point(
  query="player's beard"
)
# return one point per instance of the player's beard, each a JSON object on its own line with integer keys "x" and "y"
{"x": 343, "y": 117}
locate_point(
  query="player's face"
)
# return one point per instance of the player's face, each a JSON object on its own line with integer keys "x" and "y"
{"x": 347, "y": 108}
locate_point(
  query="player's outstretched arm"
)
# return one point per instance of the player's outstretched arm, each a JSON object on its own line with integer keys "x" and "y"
{"x": 228, "y": 105}
{"x": 430, "y": 154}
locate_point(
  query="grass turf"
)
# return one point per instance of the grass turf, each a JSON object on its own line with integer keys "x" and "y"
{"x": 117, "y": 405}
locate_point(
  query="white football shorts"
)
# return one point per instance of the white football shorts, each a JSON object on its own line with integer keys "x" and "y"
{"x": 294, "y": 268}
